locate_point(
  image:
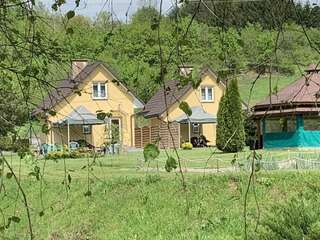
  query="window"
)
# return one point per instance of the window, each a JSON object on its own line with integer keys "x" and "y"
{"x": 86, "y": 129}
{"x": 276, "y": 125}
{"x": 196, "y": 128}
{"x": 99, "y": 91}
{"x": 206, "y": 94}
{"x": 311, "y": 123}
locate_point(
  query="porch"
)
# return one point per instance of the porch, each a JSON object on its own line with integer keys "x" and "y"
{"x": 195, "y": 129}
{"x": 199, "y": 128}
{"x": 81, "y": 128}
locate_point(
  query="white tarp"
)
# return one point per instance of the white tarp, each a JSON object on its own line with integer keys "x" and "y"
{"x": 198, "y": 116}
{"x": 80, "y": 116}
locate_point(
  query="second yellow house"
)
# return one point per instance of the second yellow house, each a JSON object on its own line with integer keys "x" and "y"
{"x": 204, "y": 101}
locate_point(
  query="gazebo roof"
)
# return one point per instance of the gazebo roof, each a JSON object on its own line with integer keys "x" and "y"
{"x": 79, "y": 116}
{"x": 199, "y": 115}
{"x": 303, "y": 91}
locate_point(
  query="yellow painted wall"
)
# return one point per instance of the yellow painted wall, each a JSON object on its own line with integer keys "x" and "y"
{"x": 193, "y": 98}
{"x": 118, "y": 102}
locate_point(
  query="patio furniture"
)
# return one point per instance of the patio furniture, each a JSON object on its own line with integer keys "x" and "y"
{"x": 73, "y": 145}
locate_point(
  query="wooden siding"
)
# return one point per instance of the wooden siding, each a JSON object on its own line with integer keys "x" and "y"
{"x": 158, "y": 134}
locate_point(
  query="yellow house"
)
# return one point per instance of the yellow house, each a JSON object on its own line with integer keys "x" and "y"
{"x": 75, "y": 110}
{"x": 204, "y": 101}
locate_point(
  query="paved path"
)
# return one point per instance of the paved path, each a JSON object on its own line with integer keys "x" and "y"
{"x": 193, "y": 170}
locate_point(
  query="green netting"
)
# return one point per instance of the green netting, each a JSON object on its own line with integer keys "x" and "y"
{"x": 299, "y": 138}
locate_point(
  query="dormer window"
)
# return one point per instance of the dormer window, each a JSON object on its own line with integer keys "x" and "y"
{"x": 99, "y": 90}
{"x": 207, "y": 94}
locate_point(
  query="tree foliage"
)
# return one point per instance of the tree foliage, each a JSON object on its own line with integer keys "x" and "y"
{"x": 269, "y": 13}
{"x": 230, "y": 128}
{"x": 12, "y": 112}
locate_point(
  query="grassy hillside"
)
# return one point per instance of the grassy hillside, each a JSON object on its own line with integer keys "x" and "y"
{"x": 149, "y": 207}
{"x": 261, "y": 88}
{"x": 130, "y": 204}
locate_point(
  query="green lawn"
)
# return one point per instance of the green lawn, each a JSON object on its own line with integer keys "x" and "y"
{"x": 128, "y": 203}
{"x": 133, "y": 163}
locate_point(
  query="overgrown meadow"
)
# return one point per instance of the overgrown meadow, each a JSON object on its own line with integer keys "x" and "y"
{"x": 127, "y": 203}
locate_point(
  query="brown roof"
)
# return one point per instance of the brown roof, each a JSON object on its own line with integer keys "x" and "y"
{"x": 68, "y": 86}
{"x": 294, "y": 110}
{"x": 173, "y": 92}
{"x": 303, "y": 91}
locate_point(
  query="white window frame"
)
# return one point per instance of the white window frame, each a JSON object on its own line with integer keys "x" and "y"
{"x": 196, "y": 128}
{"x": 99, "y": 90}
{"x": 206, "y": 93}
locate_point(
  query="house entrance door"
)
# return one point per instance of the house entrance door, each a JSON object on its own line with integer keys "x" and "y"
{"x": 115, "y": 130}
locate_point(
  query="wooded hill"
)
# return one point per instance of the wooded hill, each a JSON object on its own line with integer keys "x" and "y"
{"x": 249, "y": 47}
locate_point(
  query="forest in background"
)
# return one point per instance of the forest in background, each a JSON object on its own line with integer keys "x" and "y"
{"x": 269, "y": 40}
{"x": 247, "y": 45}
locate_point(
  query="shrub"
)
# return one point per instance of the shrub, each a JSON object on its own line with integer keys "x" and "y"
{"x": 250, "y": 128}
{"x": 186, "y": 146}
{"x": 6, "y": 143}
{"x": 230, "y": 128}
{"x": 297, "y": 218}
{"x": 81, "y": 153}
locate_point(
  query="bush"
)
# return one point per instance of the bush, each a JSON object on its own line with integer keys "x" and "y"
{"x": 186, "y": 146}
{"x": 20, "y": 145}
{"x": 5, "y": 143}
{"x": 297, "y": 218}
{"x": 80, "y": 153}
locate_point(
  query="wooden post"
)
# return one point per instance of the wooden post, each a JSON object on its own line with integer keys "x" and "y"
{"x": 189, "y": 131}
{"x": 68, "y": 134}
{"x": 142, "y": 145}
{"x": 179, "y": 135}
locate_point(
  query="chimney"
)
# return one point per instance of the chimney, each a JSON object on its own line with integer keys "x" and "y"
{"x": 77, "y": 65}
{"x": 185, "y": 70}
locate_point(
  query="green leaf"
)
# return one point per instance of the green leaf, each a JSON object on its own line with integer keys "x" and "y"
{"x": 78, "y": 92}
{"x": 88, "y": 193}
{"x": 196, "y": 83}
{"x": 155, "y": 24}
{"x": 69, "y": 178}
{"x": 41, "y": 214}
{"x": 54, "y": 7}
{"x": 52, "y": 113}
{"x": 77, "y": 2}
{"x": 171, "y": 164}
{"x": 9, "y": 175}
{"x": 184, "y": 106}
{"x": 45, "y": 128}
{"x": 35, "y": 173}
{"x": 257, "y": 167}
{"x": 70, "y": 14}
{"x": 150, "y": 152}
{"x": 15, "y": 219}
{"x": 101, "y": 115}
{"x": 69, "y": 30}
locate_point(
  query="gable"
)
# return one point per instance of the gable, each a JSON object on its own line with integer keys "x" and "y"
{"x": 158, "y": 104}
{"x": 193, "y": 97}
{"x": 118, "y": 97}
{"x": 79, "y": 90}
